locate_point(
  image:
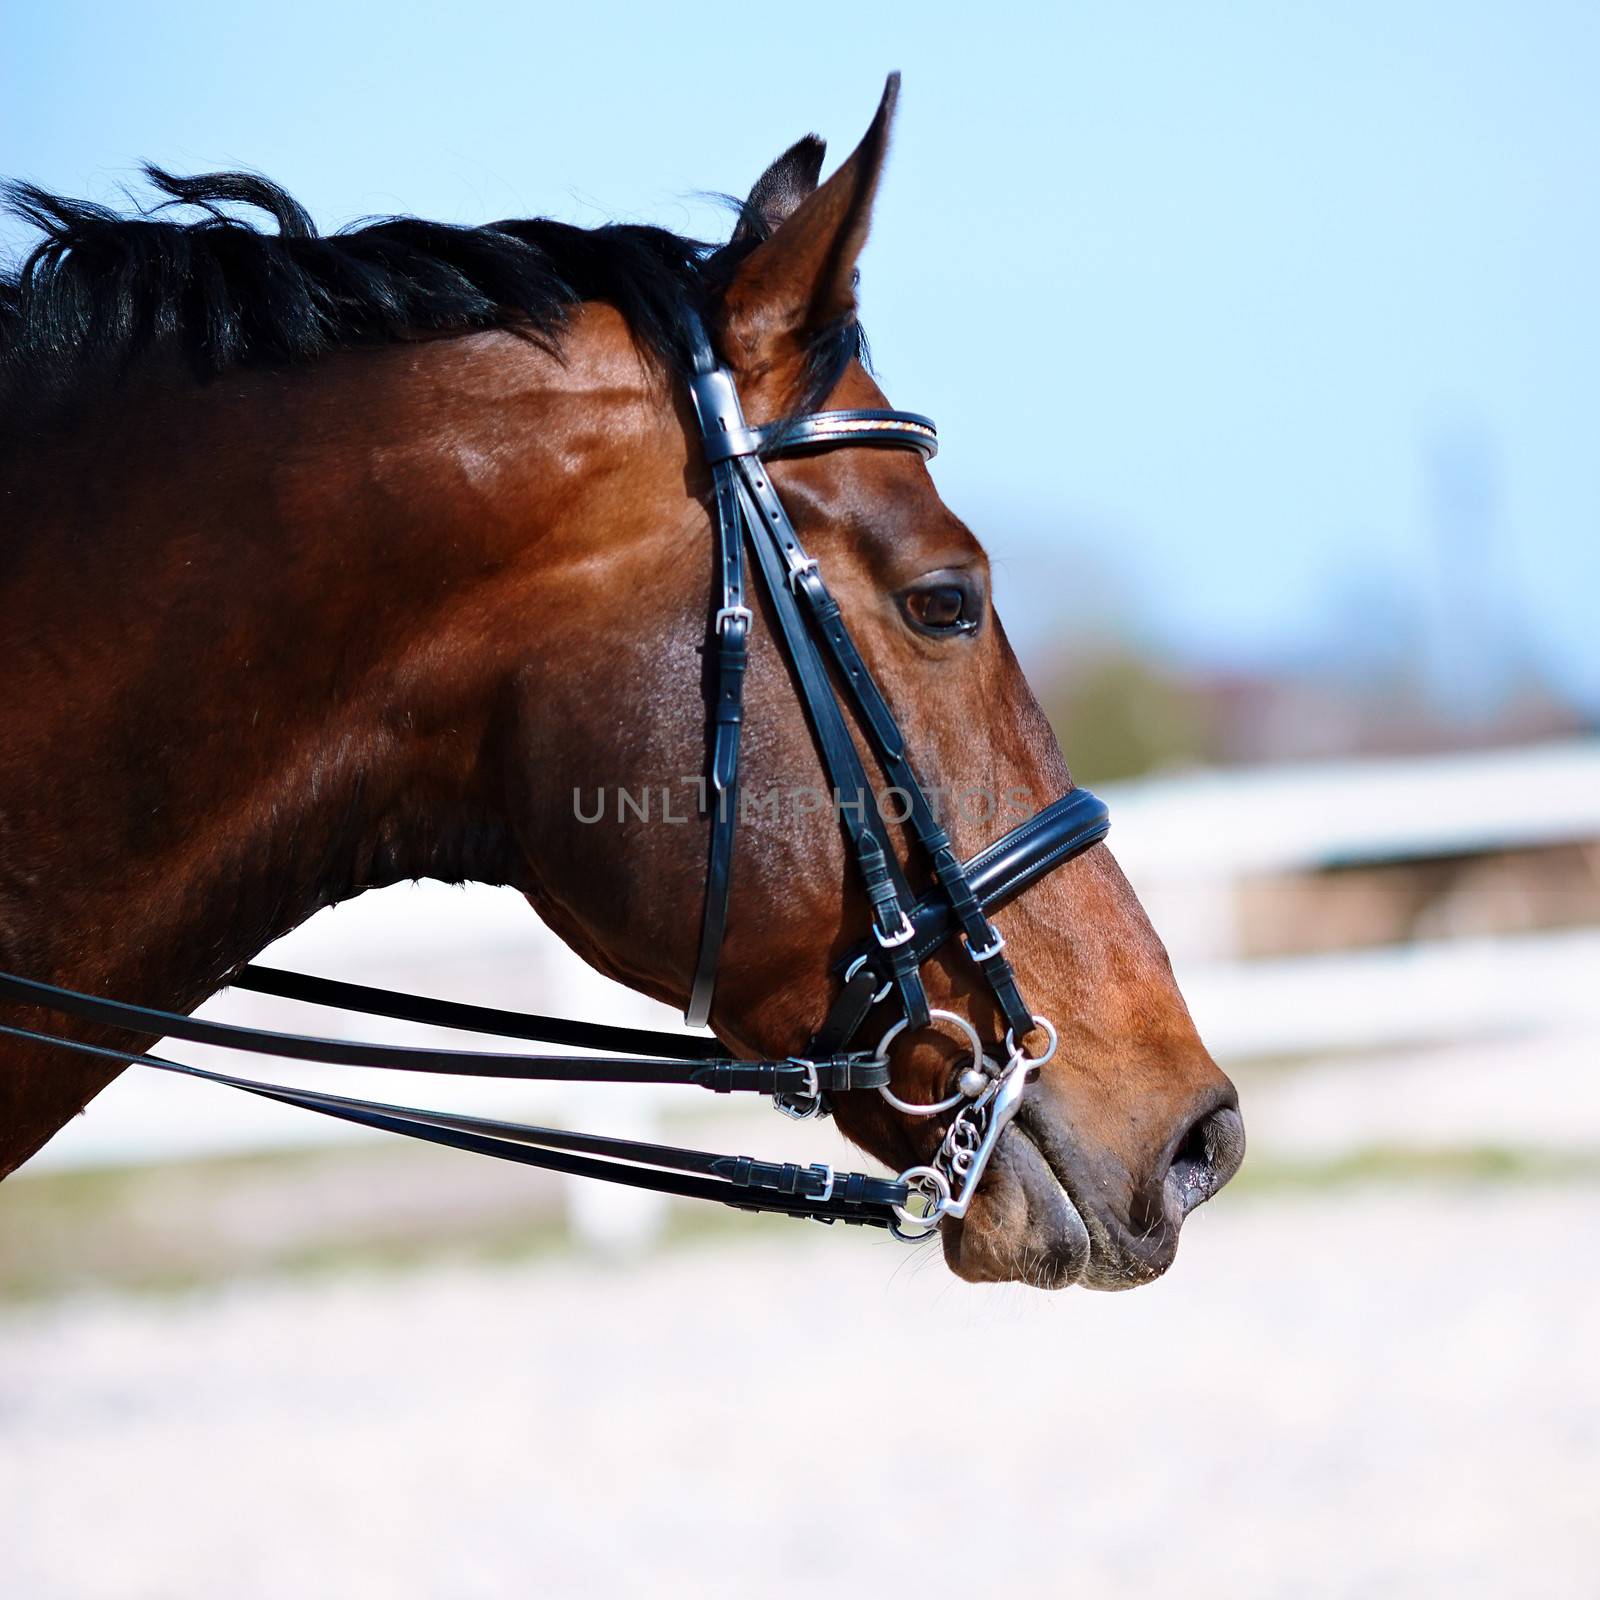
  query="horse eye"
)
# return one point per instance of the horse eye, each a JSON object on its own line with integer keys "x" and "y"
{"x": 941, "y": 608}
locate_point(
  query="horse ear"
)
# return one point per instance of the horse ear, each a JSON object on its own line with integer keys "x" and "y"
{"x": 801, "y": 281}
{"x": 781, "y": 189}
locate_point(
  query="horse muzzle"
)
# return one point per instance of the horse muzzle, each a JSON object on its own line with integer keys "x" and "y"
{"x": 1053, "y": 1211}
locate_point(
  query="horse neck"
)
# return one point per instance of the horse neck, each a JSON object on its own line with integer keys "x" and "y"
{"x": 255, "y": 671}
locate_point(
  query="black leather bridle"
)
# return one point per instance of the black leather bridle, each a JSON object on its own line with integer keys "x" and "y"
{"x": 906, "y": 929}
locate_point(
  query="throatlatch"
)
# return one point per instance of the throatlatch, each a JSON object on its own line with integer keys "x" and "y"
{"x": 905, "y": 930}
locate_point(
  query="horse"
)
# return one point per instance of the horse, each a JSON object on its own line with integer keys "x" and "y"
{"x": 331, "y": 562}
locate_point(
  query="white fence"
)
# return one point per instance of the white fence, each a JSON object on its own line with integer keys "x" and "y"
{"x": 1189, "y": 843}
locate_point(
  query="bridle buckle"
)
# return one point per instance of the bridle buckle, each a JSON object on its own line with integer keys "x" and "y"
{"x": 805, "y": 1102}
{"x": 800, "y": 569}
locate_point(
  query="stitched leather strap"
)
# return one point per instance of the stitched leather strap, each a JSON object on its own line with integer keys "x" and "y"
{"x": 982, "y": 943}
{"x": 744, "y": 504}
{"x": 720, "y": 1074}
{"x": 998, "y": 873}
{"x": 823, "y": 429}
{"x": 336, "y": 994}
{"x": 888, "y": 894}
{"x": 731, "y": 654}
{"x": 816, "y": 1193}
{"x": 721, "y": 422}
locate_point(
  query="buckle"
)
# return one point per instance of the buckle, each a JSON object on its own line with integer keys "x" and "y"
{"x": 813, "y": 1086}
{"x": 731, "y": 613}
{"x": 890, "y": 941}
{"x": 799, "y": 570}
{"x": 806, "y": 1102}
{"x": 825, "y": 1172}
{"x": 989, "y": 951}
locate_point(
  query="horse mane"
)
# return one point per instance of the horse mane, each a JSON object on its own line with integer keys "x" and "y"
{"x": 100, "y": 289}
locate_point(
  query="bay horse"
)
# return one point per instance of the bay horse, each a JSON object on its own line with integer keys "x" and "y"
{"x": 331, "y": 562}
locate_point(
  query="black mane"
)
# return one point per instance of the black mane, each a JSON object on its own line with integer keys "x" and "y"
{"x": 100, "y": 289}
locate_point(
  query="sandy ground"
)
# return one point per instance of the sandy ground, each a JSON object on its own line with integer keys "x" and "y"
{"x": 1359, "y": 1392}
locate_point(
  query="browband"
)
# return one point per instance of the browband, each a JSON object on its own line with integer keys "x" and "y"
{"x": 824, "y": 428}
{"x": 725, "y": 434}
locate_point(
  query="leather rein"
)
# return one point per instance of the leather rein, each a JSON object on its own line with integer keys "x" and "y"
{"x": 906, "y": 929}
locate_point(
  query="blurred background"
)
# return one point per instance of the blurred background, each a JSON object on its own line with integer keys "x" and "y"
{"x": 1263, "y": 343}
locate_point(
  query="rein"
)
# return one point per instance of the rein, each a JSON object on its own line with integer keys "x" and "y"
{"x": 905, "y": 929}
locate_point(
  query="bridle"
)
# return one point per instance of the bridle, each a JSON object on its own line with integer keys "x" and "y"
{"x": 906, "y": 929}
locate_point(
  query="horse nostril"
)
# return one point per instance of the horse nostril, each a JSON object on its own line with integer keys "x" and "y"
{"x": 1206, "y": 1157}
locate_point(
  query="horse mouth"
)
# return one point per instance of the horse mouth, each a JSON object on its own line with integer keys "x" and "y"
{"x": 1123, "y": 1251}
{"x": 1076, "y": 1248}
{"x": 1037, "y": 1219}
{"x": 1025, "y": 1226}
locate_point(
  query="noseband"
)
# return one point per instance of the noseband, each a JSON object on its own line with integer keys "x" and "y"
{"x": 906, "y": 929}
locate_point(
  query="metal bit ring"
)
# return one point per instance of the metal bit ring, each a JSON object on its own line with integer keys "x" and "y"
{"x": 935, "y": 1187}
{"x": 1014, "y": 1050}
{"x": 910, "y": 1108}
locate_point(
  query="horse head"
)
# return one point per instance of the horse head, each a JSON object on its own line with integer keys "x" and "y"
{"x": 428, "y": 566}
{"x": 1131, "y": 1124}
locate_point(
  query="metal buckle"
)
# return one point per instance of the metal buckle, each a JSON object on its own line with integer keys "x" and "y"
{"x": 800, "y": 1109}
{"x": 989, "y": 950}
{"x": 802, "y": 1104}
{"x": 825, "y": 1172}
{"x": 800, "y": 569}
{"x": 891, "y": 941}
{"x": 743, "y": 613}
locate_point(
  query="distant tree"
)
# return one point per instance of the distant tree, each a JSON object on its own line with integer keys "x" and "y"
{"x": 1119, "y": 715}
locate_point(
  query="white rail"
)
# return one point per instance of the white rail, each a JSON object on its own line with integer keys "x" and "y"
{"x": 1304, "y": 816}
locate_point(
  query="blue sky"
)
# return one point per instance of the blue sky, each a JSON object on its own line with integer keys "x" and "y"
{"x": 1224, "y": 311}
